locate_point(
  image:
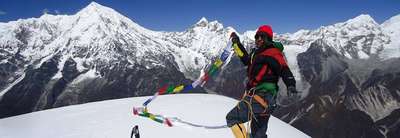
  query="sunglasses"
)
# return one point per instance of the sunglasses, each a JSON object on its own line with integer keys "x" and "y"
{"x": 260, "y": 34}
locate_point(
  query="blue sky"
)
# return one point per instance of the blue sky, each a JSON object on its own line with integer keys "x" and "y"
{"x": 178, "y": 15}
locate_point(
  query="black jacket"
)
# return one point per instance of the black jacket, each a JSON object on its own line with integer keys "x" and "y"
{"x": 264, "y": 67}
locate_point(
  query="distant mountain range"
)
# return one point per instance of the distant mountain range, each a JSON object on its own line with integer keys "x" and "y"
{"x": 348, "y": 72}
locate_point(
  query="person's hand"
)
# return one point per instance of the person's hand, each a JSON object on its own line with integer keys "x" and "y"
{"x": 234, "y": 38}
{"x": 293, "y": 96}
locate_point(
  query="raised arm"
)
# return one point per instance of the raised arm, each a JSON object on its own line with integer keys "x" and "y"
{"x": 240, "y": 51}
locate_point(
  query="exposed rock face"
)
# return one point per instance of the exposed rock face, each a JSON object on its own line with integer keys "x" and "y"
{"x": 344, "y": 94}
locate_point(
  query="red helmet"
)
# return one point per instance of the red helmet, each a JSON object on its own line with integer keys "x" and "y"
{"x": 266, "y": 29}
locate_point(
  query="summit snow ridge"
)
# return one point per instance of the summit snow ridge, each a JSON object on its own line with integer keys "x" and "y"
{"x": 361, "y": 19}
{"x": 392, "y": 27}
{"x": 359, "y": 37}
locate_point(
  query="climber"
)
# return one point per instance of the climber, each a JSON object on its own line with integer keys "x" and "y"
{"x": 265, "y": 65}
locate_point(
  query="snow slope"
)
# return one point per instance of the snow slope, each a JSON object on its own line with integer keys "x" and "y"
{"x": 392, "y": 28}
{"x": 114, "y": 119}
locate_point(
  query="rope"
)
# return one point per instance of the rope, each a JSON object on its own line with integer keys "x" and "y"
{"x": 175, "y": 119}
{"x": 250, "y": 112}
{"x": 168, "y": 120}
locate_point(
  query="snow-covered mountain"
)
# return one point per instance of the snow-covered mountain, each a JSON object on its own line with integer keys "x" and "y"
{"x": 114, "y": 118}
{"x": 97, "y": 46}
{"x": 392, "y": 28}
{"x": 94, "y": 34}
{"x": 98, "y": 54}
{"x": 198, "y": 45}
{"x": 55, "y": 61}
{"x": 359, "y": 37}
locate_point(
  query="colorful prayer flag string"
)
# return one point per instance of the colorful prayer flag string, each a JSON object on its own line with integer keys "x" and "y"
{"x": 142, "y": 111}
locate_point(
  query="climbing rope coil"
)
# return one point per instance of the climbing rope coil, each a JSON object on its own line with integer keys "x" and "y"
{"x": 219, "y": 63}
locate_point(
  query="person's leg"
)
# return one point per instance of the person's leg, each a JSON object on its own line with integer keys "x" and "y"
{"x": 239, "y": 131}
{"x": 259, "y": 123}
{"x": 259, "y": 126}
{"x": 235, "y": 119}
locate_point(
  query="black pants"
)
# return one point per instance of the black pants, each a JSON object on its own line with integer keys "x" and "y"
{"x": 240, "y": 114}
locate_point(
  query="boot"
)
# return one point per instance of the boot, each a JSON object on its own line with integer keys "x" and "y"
{"x": 239, "y": 131}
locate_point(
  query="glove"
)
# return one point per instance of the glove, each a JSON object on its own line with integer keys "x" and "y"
{"x": 234, "y": 38}
{"x": 291, "y": 90}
